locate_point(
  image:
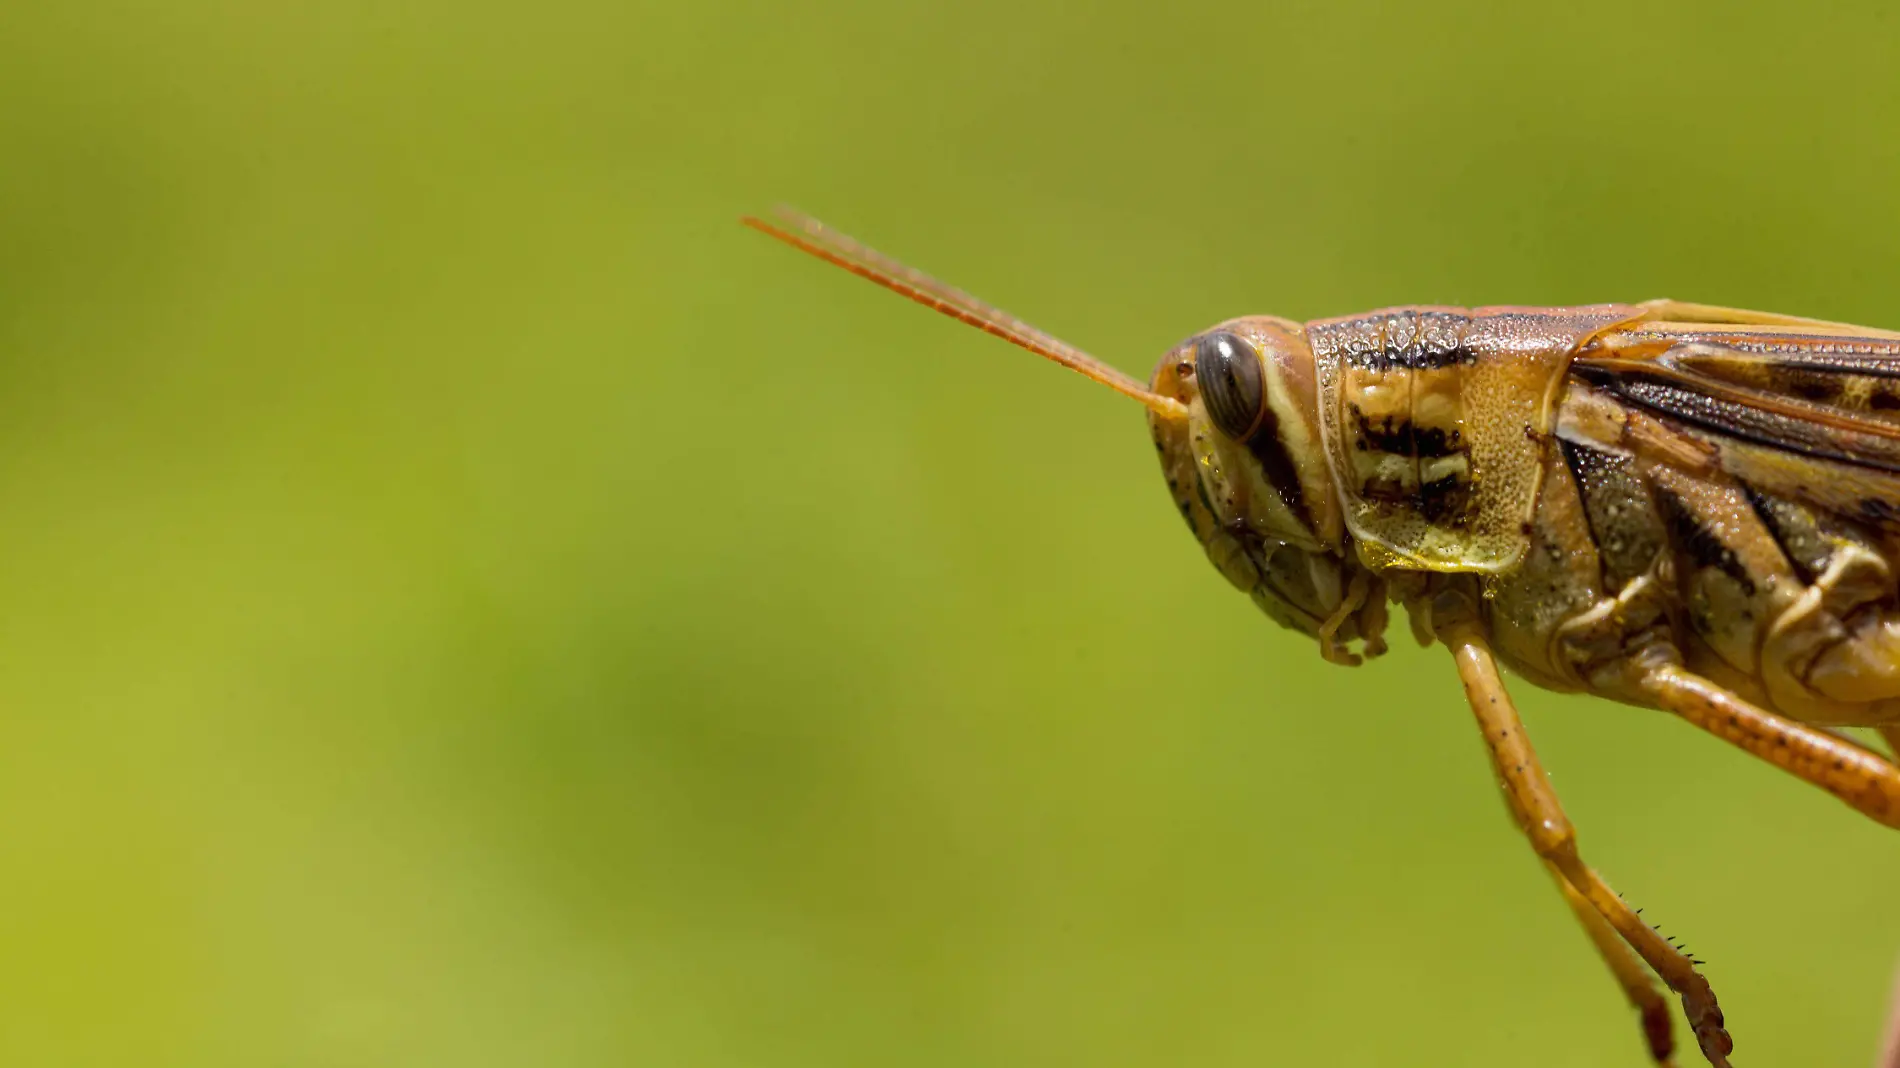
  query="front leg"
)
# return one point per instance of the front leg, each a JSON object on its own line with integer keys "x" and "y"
{"x": 1535, "y": 805}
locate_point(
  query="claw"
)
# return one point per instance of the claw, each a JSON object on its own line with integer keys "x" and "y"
{"x": 1706, "y": 1017}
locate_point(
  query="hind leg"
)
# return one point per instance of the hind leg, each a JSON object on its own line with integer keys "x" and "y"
{"x": 1861, "y": 777}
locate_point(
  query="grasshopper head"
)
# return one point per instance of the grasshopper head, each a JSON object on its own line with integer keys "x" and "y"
{"x": 1235, "y": 416}
{"x": 1248, "y": 472}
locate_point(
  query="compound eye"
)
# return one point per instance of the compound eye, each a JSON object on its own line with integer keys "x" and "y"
{"x": 1232, "y": 385}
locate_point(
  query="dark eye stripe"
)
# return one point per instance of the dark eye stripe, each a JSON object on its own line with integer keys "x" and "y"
{"x": 1234, "y": 388}
{"x": 1277, "y": 464}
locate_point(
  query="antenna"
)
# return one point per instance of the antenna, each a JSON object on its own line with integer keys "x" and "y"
{"x": 809, "y": 235}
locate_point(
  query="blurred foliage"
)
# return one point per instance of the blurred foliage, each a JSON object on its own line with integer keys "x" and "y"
{"x": 467, "y": 602}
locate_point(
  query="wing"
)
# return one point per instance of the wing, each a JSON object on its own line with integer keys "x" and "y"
{"x": 1797, "y": 408}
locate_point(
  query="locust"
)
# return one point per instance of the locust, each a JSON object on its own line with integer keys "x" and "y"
{"x": 1676, "y": 506}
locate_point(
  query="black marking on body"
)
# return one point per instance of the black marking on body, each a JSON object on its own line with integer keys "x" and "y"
{"x": 1616, "y": 508}
{"x": 1876, "y": 510}
{"x": 1443, "y": 499}
{"x": 1699, "y": 543}
{"x": 1402, "y": 437}
{"x": 1795, "y": 532}
{"x": 1414, "y": 357}
{"x": 1413, "y": 341}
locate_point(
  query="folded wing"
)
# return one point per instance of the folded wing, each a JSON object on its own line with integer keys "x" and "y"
{"x": 1802, "y": 410}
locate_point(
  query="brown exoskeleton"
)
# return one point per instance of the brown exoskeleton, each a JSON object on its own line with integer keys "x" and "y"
{"x": 1672, "y": 505}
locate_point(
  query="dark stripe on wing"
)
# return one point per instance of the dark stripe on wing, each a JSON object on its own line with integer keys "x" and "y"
{"x": 1781, "y": 422}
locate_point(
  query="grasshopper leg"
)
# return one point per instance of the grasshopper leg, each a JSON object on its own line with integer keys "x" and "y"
{"x": 1534, "y": 803}
{"x": 1890, "y": 1039}
{"x": 1651, "y": 1008}
{"x": 1864, "y": 779}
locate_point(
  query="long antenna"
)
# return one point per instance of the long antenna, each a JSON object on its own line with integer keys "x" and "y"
{"x": 809, "y": 235}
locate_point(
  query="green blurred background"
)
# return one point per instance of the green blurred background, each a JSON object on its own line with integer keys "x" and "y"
{"x": 465, "y": 601}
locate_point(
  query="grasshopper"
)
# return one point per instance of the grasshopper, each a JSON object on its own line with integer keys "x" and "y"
{"x": 1677, "y": 506}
